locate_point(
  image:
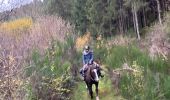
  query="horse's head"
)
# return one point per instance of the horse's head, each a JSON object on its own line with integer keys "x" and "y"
{"x": 93, "y": 73}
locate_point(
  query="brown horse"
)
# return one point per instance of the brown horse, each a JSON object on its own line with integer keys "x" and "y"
{"x": 91, "y": 77}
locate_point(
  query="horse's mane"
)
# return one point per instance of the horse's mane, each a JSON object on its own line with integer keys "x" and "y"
{"x": 88, "y": 72}
{"x": 88, "y": 76}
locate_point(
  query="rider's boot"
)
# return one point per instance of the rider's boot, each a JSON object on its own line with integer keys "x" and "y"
{"x": 82, "y": 74}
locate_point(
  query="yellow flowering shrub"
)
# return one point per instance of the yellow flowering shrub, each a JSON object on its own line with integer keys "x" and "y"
{"x": 19, "y": 24}
{"x": 82, "y": 41}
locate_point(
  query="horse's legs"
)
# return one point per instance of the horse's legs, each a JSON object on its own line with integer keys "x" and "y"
{"x": 90, "y": 90}
{"x": 96, "y": 84}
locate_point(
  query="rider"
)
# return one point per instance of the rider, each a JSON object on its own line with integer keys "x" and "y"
{"x": 88, "y": 60}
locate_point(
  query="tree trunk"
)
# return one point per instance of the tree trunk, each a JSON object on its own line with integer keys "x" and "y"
{"x": 121, "y": 30}
{"x": 159, "y": 12}
{"x": 135, "y": 20}
{"x": 144, "y": 17}
{"x": 137, "y": 26}
{"x": 134, "y": 24}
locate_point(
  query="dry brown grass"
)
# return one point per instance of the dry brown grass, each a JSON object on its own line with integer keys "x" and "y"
{"x": 157, "y": 42}
{"x": 120, "y": 40}
{"x": 16, "y": 50}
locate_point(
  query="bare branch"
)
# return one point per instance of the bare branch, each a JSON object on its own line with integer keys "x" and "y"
{"x": 6, "y": 15}
{"x": 13, "y": 4}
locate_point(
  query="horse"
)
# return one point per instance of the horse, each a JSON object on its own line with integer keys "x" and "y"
{"x": 91, "y": 77}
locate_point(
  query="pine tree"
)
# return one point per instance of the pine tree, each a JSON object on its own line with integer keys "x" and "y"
{"x": 101, "y": 16}
{"x": 62, "y": 8}
{"x": 79, "y": 16}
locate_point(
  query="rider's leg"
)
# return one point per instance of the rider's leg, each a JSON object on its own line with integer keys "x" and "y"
{"x": 82, "y": 70}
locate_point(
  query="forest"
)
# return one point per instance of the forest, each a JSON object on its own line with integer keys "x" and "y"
{"x": 41, "y": 45}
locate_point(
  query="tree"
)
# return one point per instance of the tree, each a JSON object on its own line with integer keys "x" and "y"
{"x": 121, "y": 16}
{"x": 105, "y": 17}
{"x": 79, "y": 16}
{"x": 135, "y": 6}
{"x": 101, "y": 16}
{"x": 159, "y": 12}
{"x": 62, "y": 8}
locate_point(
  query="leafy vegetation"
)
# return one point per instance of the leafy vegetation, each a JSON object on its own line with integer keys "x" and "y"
{"x": 105, "y": 91}
{"x": 109, "y": 17}
{"x": 43, "y": 63}
{"x": 147, "y": 82}
{"x": 51, "y": 73}
{"x": 20, "y": 24}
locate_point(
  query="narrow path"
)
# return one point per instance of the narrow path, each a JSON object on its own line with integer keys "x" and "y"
{"x": 106, "y": 91}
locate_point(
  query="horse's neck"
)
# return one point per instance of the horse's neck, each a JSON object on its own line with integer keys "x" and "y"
{"x": 88, "y": 73}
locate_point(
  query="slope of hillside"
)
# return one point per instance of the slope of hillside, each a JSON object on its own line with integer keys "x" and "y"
{"x": 157, "y": 45}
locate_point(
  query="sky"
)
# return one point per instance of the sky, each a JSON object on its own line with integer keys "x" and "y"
{"x": 10, "y": 4}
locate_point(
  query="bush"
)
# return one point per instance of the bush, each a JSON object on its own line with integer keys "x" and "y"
{"x": 50, "y": 74}
{"x": 150, "y": 80}
{"x": 19, "y": 24}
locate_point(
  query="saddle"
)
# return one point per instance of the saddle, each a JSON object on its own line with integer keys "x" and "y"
{"x": 97, "y": 67}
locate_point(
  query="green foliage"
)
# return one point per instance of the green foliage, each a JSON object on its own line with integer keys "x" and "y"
{"x": 166, "y": 86}
{"x": 100, "y": 50}
{"x": 105, "y": 17}
{"x": 105, "y": 91}
{"x": 150, "y": 79}
{"x": 60, "y": 7}
{"x": 116, "y": 56}
{"x": 100, "y": 15}
{"x": 94, "y": 16}
{"x": 79, "y": 16}
{"x": 51, "y": 72}
{"x": 29, "y": 91}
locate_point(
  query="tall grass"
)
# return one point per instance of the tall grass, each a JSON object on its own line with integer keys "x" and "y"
{"x": 19, "y": 45}
{"x": 106, "y": 91}
{"x": 50, "y": 75}
{"x": 147, "y": 82}
{"x": 167, "y": 29}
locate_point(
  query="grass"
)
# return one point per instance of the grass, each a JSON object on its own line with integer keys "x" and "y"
{"x": 145, "y": 83}
{"x": 106, "y": 91}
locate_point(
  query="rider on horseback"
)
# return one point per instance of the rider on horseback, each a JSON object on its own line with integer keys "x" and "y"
{"x": 88, "y": 60}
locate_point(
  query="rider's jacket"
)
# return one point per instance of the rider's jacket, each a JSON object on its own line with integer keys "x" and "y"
{"x": 87, "y": 57}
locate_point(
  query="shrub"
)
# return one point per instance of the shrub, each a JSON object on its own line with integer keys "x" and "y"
{"x": 82, "y": 41}
{"x": 50, "y": 74}
{"x": 19, "y": 24}
{"x": 150, "y": 80}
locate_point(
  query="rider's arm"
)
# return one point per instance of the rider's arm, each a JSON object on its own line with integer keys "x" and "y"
{"x": 83, "y": 60}
{"x": 91, "y": 60}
